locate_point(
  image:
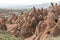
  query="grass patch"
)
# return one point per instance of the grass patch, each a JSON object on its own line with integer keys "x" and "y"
{"x": 6, "y": 36}
{"x": 53, "y": 38}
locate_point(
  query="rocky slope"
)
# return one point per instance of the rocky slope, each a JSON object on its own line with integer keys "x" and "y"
{"x": 37, "y": 24}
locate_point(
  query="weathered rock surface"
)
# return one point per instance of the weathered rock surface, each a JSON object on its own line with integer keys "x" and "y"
{"x": 37, "y": 24}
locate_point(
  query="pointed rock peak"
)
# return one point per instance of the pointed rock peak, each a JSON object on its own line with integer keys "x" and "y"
{"x": 52, "y": 4}
{"x": 42, "y": 9}
{"x": 38, "y": 9}
{"x": 34, "y": 8}
{"x": 56, "y": 4}
{"x": 21, "y": 13}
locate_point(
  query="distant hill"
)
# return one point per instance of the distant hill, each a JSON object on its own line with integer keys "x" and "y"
{"x": 10, "y": 6}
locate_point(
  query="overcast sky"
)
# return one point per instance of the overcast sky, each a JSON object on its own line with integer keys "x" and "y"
{"x": 26, "y": 2}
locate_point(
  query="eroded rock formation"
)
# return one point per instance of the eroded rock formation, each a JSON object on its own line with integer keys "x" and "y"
{"x": 37, "y": 24}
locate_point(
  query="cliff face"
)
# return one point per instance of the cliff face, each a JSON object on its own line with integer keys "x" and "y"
{"x": 37, "y": 24}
